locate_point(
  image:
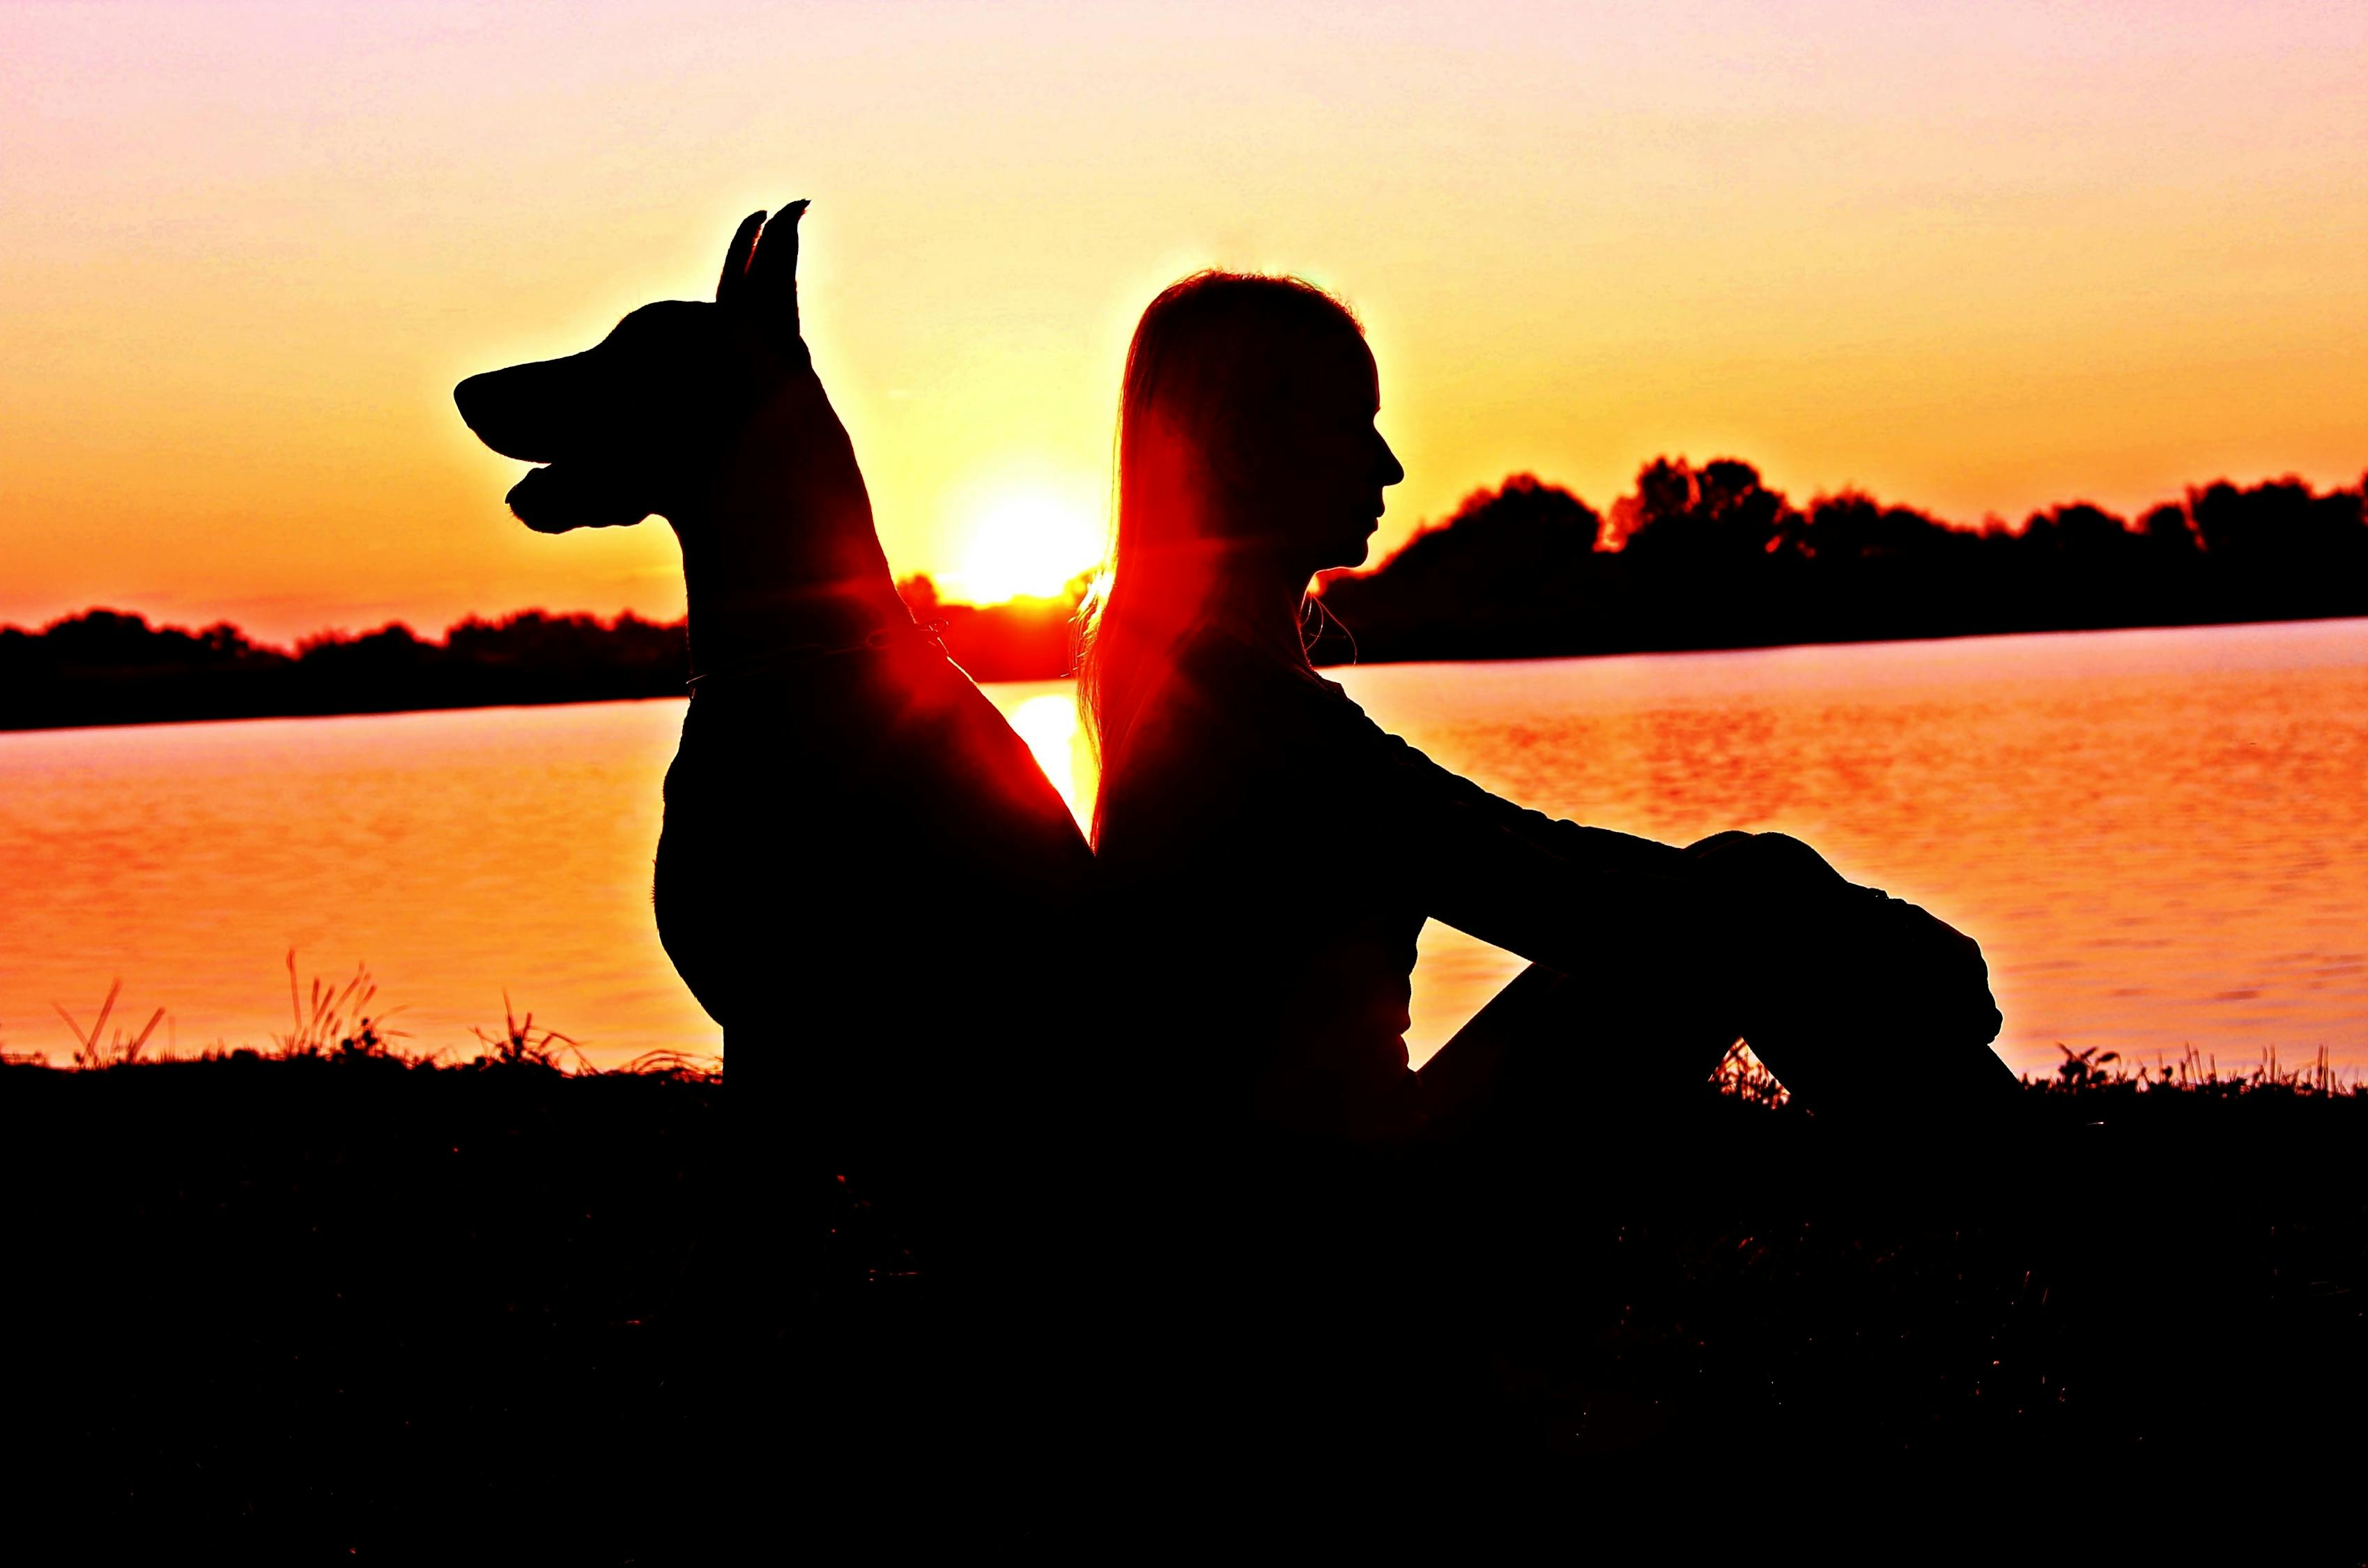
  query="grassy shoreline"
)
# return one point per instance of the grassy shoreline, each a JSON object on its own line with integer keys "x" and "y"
{"x": 341, "y": 1299}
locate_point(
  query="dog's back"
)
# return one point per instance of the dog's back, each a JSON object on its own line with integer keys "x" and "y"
{"x": 852, "y": 820}
{"x": 866, "y": 878}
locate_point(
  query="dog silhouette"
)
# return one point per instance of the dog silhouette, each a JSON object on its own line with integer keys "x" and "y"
{"x": 861, "y": 864}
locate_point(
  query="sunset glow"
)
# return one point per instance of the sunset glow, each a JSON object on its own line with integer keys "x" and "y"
{"x": 1025, "y": 544}
{"x": 1980, "y": 258}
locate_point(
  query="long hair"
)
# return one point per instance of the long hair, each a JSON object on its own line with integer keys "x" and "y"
{"x": 1215, "y": 362}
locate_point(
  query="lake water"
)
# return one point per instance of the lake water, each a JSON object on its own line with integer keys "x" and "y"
{"x": 2159, "y": 837}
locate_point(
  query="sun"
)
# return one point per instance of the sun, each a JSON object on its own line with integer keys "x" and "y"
{"x": 1024, "y": 545}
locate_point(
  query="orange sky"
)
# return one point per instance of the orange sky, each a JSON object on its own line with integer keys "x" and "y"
{"x": 1980, "y": 258}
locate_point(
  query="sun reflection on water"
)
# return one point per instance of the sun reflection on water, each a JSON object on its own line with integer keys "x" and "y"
{"x": 1048, "y": 722}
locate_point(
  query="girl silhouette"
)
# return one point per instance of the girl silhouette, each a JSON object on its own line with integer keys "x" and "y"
{"x": 1272, "y": 853}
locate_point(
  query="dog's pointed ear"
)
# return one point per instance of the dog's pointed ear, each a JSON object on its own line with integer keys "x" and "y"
{"x": 731, "y": 289}
{"x": 771, "y": 280}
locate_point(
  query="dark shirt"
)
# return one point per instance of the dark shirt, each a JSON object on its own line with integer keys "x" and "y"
{"x": 1278, "y": 852}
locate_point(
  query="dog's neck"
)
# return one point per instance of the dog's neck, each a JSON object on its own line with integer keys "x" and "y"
{"x": 779, "y": 550}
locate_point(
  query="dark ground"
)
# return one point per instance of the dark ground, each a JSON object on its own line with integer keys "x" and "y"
{"x": 351, "y": 1310}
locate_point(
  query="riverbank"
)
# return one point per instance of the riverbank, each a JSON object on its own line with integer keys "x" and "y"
{"x": 294, "y": 1307}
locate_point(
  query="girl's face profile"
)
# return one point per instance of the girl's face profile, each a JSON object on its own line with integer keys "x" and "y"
{"x": 1330, "y": 462}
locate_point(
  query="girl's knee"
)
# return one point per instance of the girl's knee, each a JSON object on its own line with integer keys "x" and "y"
{"x": 1718, "y": 842}
{"x": 1762, "y": 862}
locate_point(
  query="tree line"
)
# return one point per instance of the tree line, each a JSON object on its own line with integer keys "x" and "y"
{"x": 1712, "y": 557}
{"x": 1707, "y": 557}
{"x": 106, "y": 666}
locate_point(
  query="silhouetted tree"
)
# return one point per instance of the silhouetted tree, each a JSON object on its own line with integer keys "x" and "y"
{"x": 1720, "y": 512}
{"x": 106, "y": 666}
{"x": 374, "y": 655}
{"x": 1509, "y": 568}
{"x": 2078, "y": 529}
{"x": 1855, "y": 526}
{"x": 1712, "y": 557}
{"x": 2167, "y": 528}
{"x": 107, "y": 639}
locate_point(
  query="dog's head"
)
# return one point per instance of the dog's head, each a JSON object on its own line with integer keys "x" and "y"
{"x": 635, "y": 423}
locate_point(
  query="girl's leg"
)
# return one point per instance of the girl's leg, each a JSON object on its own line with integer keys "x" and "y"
{"x": 1645, "y": 1022}
{"x": 1869, "y": 1009}
{"x": 1552, "y": 1055}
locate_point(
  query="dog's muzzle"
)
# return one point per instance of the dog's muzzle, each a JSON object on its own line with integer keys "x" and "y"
{"x": 547, "y": 412}
{"x": 526, "y": 412}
